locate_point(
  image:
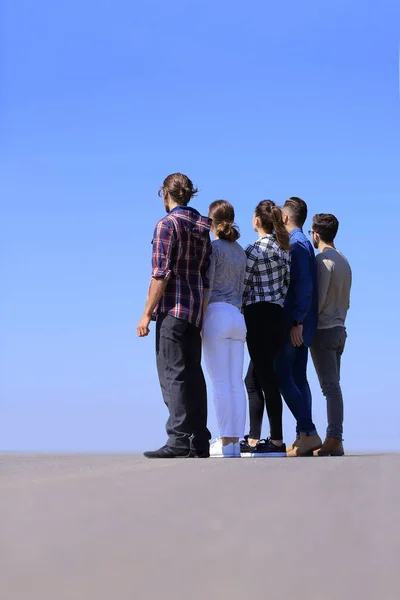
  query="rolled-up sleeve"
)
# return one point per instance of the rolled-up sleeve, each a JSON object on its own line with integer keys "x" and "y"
{"x": 163, "y": 241}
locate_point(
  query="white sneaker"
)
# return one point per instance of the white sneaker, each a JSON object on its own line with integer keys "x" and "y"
{"x": 217, "y": 450}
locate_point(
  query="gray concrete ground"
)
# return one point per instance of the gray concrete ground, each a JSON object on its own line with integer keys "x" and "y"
{"x": 80, "y": 527}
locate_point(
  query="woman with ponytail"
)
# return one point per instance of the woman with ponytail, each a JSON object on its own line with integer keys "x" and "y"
{"x": 224, "y": 330}
{"x": 266, "y": 285}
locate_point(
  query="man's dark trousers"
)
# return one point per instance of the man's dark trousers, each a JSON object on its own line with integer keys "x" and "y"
{"x": 178, "y": 354}
{"x": 291, "y": 372}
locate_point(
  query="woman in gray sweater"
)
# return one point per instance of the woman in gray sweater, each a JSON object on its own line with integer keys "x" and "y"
{"x": 224, "y": 330}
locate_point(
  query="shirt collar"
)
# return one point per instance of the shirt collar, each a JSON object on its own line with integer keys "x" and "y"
{"x": 266, "y": 235}
{"x": 184, "y": 208}
{"x": 296, "y": 230}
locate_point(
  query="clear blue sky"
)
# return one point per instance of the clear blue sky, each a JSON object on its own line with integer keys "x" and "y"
{"x": 99, "y": 102}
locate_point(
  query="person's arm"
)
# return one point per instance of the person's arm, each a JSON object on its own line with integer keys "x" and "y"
{"x": 302, "y": 281}
{"x": 252, "y": 259}
{"x": 351, "y": 281}
{"x": 162, "y": 247}
{"x": 156, "y": 291}
{"x": 287, "y": 274}
{"x": 210, "y": 276}
{"x": 324, "y": 270}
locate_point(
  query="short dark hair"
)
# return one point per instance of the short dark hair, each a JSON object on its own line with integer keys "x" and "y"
{"x": 298, "y": 210}
{"x": 326, "y": 226}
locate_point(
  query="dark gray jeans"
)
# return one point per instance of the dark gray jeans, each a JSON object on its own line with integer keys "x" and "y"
{"x": 326, "y": 351}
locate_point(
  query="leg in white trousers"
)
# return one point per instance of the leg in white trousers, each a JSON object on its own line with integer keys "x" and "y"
{"x": 224, "y": 335}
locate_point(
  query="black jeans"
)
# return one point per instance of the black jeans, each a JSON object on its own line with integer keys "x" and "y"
{"x": 178, "y": 355}
{"x": 265, "y": 335}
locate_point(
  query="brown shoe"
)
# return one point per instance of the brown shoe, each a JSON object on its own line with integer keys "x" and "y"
{"x": 293, "y": 446}
{"x": 306, "y": 445}
{"x": 330, "y": 447}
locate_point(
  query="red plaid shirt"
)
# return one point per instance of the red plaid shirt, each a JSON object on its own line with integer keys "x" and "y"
{"x": 181, "y": 254}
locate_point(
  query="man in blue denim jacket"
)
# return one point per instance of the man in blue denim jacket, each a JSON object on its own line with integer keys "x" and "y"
{"x": 301, "y": 316}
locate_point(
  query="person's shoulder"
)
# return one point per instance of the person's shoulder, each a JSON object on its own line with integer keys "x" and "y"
{"x": 334, "y": 256}
{"x": 165, "y": 229}
{"x": 238, "y": 247}
{"x": 253, "y": 251}
{"x": 164, "y": 224}
{"x": 297, "y": 235}
{"x": 239, "y": 252}
{"x": 340, "y": 256}
{"x": 323, "y": 260}
{"x": 165, "y": 220}
{"x": 216, "y": 246}
{"x": 254, "y": 247}
{"x": 249, "y": 247}
{"x": 299, "y": 242}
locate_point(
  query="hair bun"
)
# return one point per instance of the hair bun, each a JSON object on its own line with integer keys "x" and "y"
{"x": 227, "y": 231}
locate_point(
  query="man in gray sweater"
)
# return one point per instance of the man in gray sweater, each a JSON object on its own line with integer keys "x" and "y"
{"x": 334, "y": 283}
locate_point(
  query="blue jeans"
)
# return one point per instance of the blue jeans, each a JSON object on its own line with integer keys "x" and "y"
{"x": 291, "y": 372}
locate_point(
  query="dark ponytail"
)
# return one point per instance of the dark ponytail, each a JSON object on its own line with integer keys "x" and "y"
{"x": 270, "y": 217}
{"x": 222, "y": 214}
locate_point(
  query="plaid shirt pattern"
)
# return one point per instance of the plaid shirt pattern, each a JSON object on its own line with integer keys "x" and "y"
{"x": 267, "y": 272}
{"x": 181, "y": 254}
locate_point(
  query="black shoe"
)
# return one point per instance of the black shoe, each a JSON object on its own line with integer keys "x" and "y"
{"x": 169, "y": 452}
{"x": 200, "y": 453}
{"x": 246, "y": 451}
{"x": 267, "y": 449}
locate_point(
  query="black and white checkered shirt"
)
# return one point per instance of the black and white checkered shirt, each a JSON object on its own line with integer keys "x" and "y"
{"x": 267, "y": 272}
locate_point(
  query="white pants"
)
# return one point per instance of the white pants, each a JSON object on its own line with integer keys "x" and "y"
{"x": 224, "y": 336}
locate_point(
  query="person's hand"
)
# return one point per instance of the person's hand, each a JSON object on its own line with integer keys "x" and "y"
{"x": 296, "y": 335}
{"x": 143, "y": 327}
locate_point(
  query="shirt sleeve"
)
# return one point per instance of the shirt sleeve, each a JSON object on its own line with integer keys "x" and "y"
{"x": 324, "y": 267}
{"x": 287, "y": 274}
{"x": 302, "y": 282}
{"x": 163, "y": 241}
{"x": 205, "y": 263}
{"x": 252, "y": 259}
{"x": 351, "y": 281}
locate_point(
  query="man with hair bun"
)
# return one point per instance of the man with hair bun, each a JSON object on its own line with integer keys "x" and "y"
{"x": 181, "y": 257}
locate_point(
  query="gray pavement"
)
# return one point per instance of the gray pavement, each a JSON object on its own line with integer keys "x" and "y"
{"x": 80, "y": 527}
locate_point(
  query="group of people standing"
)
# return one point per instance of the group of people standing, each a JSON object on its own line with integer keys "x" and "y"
{"x": 275, "y": 295}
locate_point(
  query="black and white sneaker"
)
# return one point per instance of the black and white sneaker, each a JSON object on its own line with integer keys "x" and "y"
{"x": 267, "y": 449}
{"x": 246, "y": 451}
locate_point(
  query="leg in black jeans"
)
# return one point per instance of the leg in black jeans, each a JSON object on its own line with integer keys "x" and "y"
{"x": 256, "y": 402}
{"x": 265, "y": 331}
{"x": 178, "y": 356}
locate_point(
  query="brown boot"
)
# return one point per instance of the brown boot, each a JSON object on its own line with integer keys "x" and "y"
{"x": 306, "y": 445}
{"x": 293, "y": 446}
{"x": 330, "y": 447}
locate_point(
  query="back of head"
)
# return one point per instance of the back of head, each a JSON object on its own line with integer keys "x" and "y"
{"x": 222, "y": 214}
{"x": 297, "y": 210}
{"x": 326, "y": 225}
{"x": 270, "y": 218}
{"x": 179, "y": 187}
